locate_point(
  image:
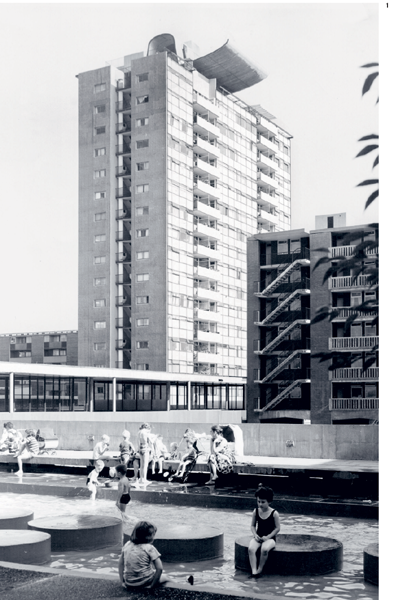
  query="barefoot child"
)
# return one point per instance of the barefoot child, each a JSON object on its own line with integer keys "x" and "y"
{"x": 139, "y": 564}
{"x": 92, "y": 481}
{"x": 123, "y": 497}
{"x": 28, "y": 448}
{"x": 127, "y": 450}
{"x": 265, "y": 526}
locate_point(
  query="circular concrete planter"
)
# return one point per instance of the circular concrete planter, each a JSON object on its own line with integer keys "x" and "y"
{"x": 371, "y": 564}
{"x": 15, "y": 518}
{"x": 185, "y": 543}
{"x": 25, "y": 547}
{"x": 295, "y": 555}
{"x": 82, "y": 532}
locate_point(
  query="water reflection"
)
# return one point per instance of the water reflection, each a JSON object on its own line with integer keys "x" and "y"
{"x": 355, "y": 535}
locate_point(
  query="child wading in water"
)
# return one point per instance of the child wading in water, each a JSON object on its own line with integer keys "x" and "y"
{"x": 92, "y": 481}
{"x": 139, "y": 563}
{"x": 265, "y": 526}
{"x": 123, "y": 497}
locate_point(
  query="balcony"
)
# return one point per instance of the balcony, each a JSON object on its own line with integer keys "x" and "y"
{"x": 123, "y": 128}
{"x": 207, "y": 273}
{"x": 123, "y": 278}
{"x": 123, "y": 84}
{"x": 264, "y": 180}
{"x": 123, "y": 344}
{"x": 204, "y": 105}
{"x": 206, "y": 231}
{"x": 264, "y": 125}
{"x": 123, "y": 236}
{"x": 265, "y": 218}
{"x": 205, "y": 169}
{"x": 200, "y": 209}
{"x": 353, "y": 403}
{"x": 206, "y": 315}
{"x": 208, "y": 357}
{"x": 123, "y": 149}
{"x": 207, "y": 294}
{"x": 207, "y": 336}
{"x": 123, "y": 257}
{"x": 205, "y": 147}
{"x": 348, "y": 343}
{"x": 335, "y": 283}
{"x": 345, "y": 313}
{"x": 203, "y": 189}
{"x": 263, "y": 198}
{"x": 122, "y": 323}
{"x": 355, "y": 373}
{"x": 201, "y": 251}
{"x": 123, "y": 106}
{"x": 123, "y": 171}
{"x": 204, "y": 127}
{"x": 263, "y": 143}
{"x": 123, "y": 192}
{"x": 122, "y": 213}
{"x": 122, "y": 301}
{"x": 265, "y": 162}
{"x": 347, "y": 251}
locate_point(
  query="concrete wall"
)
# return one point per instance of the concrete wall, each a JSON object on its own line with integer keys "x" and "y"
{"x": 345, "y": 442}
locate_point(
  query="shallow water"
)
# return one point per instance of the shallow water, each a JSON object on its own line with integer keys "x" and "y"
{"x": 348, "y": 583}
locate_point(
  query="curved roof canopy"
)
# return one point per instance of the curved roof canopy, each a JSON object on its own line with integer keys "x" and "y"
{"x": 164, "y": 41}
{"x": 232, "y": 71}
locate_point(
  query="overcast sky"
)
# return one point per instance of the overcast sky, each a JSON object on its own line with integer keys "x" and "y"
{"x": 311, "y": 53}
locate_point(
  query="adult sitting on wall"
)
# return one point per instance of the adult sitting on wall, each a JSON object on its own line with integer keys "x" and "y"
{"x": 221, "y": 459}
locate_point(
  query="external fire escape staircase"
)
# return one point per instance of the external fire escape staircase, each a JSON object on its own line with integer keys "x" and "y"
{"x": 282, "y": 365}
{"x": 284, "y": 301}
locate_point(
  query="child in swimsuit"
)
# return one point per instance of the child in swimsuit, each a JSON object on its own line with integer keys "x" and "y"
{"x": 265, "y": 526}
{"x": 92, "y": 481}
{"x": 123, "y": 488}
{"x": 127, "y": 450}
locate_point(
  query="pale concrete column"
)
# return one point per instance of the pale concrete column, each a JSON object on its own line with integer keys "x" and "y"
{"x": 114, "y": 394}
{"x": 11, "y": 393}
{"x": 189, "y": 394}
{"x": 90, "y": 382}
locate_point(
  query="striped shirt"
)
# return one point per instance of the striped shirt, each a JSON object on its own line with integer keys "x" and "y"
{"x": 32, "y": 445}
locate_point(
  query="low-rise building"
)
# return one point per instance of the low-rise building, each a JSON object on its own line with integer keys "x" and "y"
{"x": 53, "y": 347}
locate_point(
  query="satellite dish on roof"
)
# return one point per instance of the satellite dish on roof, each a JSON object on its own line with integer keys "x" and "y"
{"x": 160, "y": 43}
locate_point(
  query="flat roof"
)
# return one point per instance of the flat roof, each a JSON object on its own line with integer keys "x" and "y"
{"x": 108, "y": 373}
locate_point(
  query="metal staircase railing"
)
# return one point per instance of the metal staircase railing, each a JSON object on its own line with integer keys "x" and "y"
{"x": 283, "y": 394}
{"x": 280, "y": 337}
{"x": 282, "y": 365}
{"x": 300, "y": 262}
{"x": 281, "y": 307}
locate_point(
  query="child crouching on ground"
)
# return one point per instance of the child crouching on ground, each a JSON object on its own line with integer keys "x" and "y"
{"x": 265, "y": 526}
{"x": 92, "y": 481}
{"x": 140, "y": 564}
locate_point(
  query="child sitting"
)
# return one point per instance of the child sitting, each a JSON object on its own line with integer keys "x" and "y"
{"x": 186, "y": 459}
{"x": 265, "y": 526}
{"x": 127, "y": 450}
{"x": 123, "y": 497}
{"x": 11, "y": 439}
{"x": 101, "y": 447}
{"x": 29, "y": 448}
{"x": 174, "y": 452}
{"x": 92, "y": 481}
{"x": 139, "y": 563}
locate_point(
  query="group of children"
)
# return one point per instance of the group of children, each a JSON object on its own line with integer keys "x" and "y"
{"x": 18, "y": 445}
{"x": 140, "y": 565}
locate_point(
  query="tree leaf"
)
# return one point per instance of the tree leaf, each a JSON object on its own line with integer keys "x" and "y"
{"x": 368, "y": 182}
{"x": 368, "y": 82}
{"x": 369, "y": 65}
{"x": 375, "y": 162}
{"x": 371, "y": 198}
{"x": 367, "y": 149}
{"x": 372, "y": 136}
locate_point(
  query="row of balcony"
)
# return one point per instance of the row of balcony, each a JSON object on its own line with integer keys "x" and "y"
{"x": 349, "y": 343}
{"x": 353, "y": 404}
{"x": 346, "y": 282}
{"x": 347, "y": 251}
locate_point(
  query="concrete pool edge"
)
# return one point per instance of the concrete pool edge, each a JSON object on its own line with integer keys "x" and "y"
{"x": 195, "y": 589}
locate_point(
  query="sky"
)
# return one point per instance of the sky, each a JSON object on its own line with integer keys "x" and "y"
{"x": 311, "y": 52}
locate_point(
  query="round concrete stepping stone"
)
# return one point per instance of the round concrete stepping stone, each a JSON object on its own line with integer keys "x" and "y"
{"x": 15, "y": 518}
{"x": 24, "y": 546}
{"x": 81, "y": 532}
{"x": 371, "y": 564}
{"x": 185, "y": 543}
{"x": 295, "y": 555}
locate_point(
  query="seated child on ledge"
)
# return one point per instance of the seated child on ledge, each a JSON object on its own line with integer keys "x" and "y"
{"x": 139, "y": 564}
{"x": 265, "y": 526}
